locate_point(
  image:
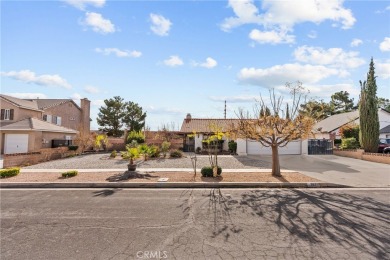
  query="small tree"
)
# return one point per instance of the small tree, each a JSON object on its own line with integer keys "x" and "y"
{"x": 110, "y": 116}
{"x": 165, "y": 148}
{"x": 133, "y": 117}
{"x": 341, "y": 103}
{"x": 212, "y": 143}
{"x": 275, "y": 127}
{"x": 101, "y": 141}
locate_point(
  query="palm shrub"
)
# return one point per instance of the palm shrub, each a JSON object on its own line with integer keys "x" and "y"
{"x": 130, "y": 154}
{"x": 165, "y": 148}
{"x": 144, "y": 150}
{"x": 154, "y": 151}
{"x": 136, "y": 136}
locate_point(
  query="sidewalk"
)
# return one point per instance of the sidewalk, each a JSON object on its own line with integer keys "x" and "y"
{"x": 120, "y": 182}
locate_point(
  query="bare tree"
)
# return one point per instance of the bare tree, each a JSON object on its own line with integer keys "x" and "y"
{"x": 277, "y": 124}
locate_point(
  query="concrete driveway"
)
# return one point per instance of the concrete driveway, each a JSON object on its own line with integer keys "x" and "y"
{"x": 336, "y": 169}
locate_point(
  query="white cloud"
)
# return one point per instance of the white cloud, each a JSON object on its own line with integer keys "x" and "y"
{"x": 43, "y": 80}
{"x": 246, "y": 12}
{"x": 383, "y": 70}
{"x": 279, "y": 17}
{"x": 160, "y": 24}
{"x": 81, "y": 4}
{"x": 98, "y": 23}
{"x": 119, "y": 53}
{"x": 236, "y": 99}
{"x": 209, "y": 63}
{"x": 164, "y": 110}
{"x": 335, "y": 57}
{"x": 173, "y": 61}
{"x": 97, "y": 102}
{"x": 273, "y": 37}
{"x": 280, "y": 74}
{"x": 385, "y": 45}
{"x": 27, "y": 95}
{"x": 325, "y": 91}
{"x": 356, "y": 42}
{"x": 91, "y": 90}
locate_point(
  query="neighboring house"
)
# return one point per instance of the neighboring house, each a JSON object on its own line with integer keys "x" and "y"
{"x": 204, "y": 127}
{"x": 329, "y": 128}
{"x": 28, "y": 125}
{"x": 385, "y": 132}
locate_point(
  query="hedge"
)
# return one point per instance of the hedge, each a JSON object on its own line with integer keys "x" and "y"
{"x": 207, "y": 171}
{"x": 69, "y": 174}
{"x": 10, "y": 172}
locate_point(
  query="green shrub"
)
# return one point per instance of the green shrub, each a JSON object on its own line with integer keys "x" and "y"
{"x": 165, "y": 148}
{"x": 113, "y": 154}
{"x": 10, "y": 172}
{"x": 73, "y": 147}
{"x": 154, "y": 151}
{"x": 207, "y": 171}
{"x": 337, "y": 141}
{"x": 198, "y": 149}
{"x": 349, "y": 143}
{"x": 176, "y": 154}
{"x": 232, "y": 146}
{"x": 69, "y": 174}
{"x": 137, "y": 136}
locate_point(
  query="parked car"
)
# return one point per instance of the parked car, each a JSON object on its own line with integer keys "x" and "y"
{"x": 383, "y": 143}
{"x": 386, "y": 150}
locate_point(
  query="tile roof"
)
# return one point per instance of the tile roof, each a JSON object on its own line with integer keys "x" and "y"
{"x": 333, "y": 122}
{"x": 29, "y": 104}
{"x": 201, "y": 125}
{"x": 48, "y": 103}
{"x": 385, "y": 130}
{"x": 35, "y": 124}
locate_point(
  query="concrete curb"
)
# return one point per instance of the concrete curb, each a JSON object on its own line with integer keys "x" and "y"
{"x": 170, "y": 185}
{"x": 145, "y": 170}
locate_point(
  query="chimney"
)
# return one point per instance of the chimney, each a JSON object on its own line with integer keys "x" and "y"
{"x": 188, "y": 118}
{"x": 85, "y": 122}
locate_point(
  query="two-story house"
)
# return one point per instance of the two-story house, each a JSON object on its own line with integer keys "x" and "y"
{"x": 28, "y": 125}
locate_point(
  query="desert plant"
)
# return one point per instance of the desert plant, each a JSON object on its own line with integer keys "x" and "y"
{"x": 176, "y": 154}
{"x": 207, "y": 171}
{"x": 69, "y": 174}
{"x": 136, "y": 136}
{"x": 165, "y": 148}
{"x": 144, "y": 150}
{"x": 100, "y": 142}
{"x": 10, "y": 172}
{"x": 232, "y": 147}
{"x": 349, "y": 143}
{"x": 154, "y": 151}
{"x": 72, "y": 147}
{"x": 113, "y": 154}
{"x": 130, "y": 154}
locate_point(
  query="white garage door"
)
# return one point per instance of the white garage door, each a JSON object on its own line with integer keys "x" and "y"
{"x": 16, "y": 143}
{"x": 254, "y": 147}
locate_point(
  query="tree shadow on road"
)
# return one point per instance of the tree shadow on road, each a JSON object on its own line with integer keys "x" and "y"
{"x": 121, "y": 177}
{"x": 317, "y": 217}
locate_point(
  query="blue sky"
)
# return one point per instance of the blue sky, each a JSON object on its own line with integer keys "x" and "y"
{"x": 179, "y": 57}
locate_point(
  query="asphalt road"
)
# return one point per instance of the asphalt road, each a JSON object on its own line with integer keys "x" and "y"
{"x": 195, "y": 224}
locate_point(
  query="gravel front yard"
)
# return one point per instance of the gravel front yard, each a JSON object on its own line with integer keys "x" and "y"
{"x": 103, "y": 161}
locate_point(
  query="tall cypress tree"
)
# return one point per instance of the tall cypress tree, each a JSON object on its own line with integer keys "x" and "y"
{"x": 368, "y": 112}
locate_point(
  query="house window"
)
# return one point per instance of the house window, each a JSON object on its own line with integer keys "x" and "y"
{"x": 57, "y": 120}
{"x": 7, "y": 114}
{"x": 47, "y": 118}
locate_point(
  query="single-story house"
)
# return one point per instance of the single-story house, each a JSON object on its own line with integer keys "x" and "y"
{"x": 203, "y": 128}
{"x": 329, "y": 128}
{"x": 384, "y": 132}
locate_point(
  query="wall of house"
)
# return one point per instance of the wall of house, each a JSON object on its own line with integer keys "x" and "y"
{"x": 19, "y": 113}
{"x": 386, "y": 135}
{"x": 241, "y": 147}
{"x": 12, "y": 160}
{"x": 70, "y": 114}
{"x": 46, "y": 138}
{"x": 384, "y": 119}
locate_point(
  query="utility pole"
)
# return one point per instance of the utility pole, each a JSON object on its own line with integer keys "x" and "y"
{"x": 225, "y": 109}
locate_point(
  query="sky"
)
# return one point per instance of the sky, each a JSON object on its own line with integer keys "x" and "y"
{"x": 189, "y": 56}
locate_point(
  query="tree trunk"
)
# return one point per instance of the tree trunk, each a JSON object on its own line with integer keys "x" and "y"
{"x": 275, "y": 162}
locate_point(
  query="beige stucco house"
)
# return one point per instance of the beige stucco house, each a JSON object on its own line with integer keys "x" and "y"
{"x": 28, "y": 125}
